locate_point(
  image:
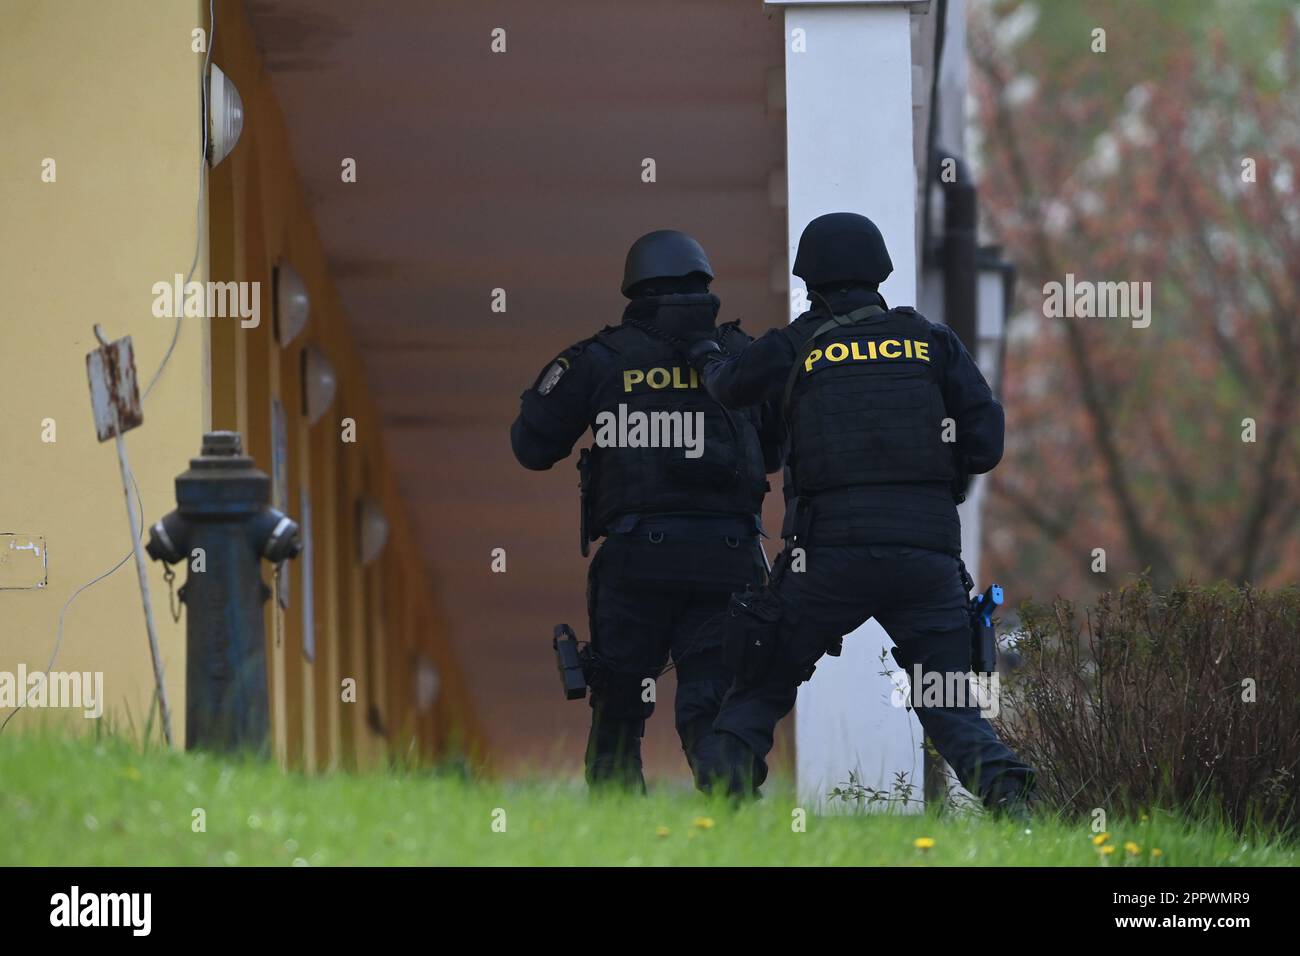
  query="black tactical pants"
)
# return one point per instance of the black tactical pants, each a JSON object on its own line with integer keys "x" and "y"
{"x": 918, "y": 598}
{"x": 660, "y": 591}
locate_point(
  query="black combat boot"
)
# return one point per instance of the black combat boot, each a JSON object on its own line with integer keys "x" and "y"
{"x": 1013, "y": 798}
{"x": 614, "y": 754}
{"x": 725, "y": 764}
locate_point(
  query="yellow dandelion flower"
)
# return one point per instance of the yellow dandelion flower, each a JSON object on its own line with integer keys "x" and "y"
{"x": 1157, "y": 852}
{"x": 1132, "y": 849}
{"x": 703, "y": 823}
{"x": 1100, "y": 838}
{"x": 923, "y": 843}
{"x": 1106, "y": 850}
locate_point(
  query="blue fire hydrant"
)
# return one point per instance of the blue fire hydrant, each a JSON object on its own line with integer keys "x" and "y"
{"x": 223, "y": 526}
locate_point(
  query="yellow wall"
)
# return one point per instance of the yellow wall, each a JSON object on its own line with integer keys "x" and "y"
{"x": 110, "y": 92}
{"x": 372, "y": 624}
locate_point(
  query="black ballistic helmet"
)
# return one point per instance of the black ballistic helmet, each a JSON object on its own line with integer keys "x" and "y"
{"x": 661, "y": 254}
{"x": 842, "y": 247}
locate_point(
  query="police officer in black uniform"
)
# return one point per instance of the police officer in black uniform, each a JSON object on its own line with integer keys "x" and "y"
{"x": 682, "y": 524}
{"x": 872, "y": 487}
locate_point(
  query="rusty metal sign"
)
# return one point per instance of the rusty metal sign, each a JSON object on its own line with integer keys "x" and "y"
{"x": 114, "y": 395}
{"x": 115, "y": 399}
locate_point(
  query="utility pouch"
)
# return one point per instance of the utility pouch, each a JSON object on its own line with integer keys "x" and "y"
{"x": 720, "y": 455}
{"x": 751, "y": 632}
{"x": 717, "y": 467}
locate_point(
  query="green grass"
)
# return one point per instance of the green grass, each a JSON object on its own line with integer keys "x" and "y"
{"x": 87, "y": 802}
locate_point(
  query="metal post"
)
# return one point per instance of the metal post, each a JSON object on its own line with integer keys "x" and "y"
{"x": 141, "y": 572}
{"x": 115, "y": 403}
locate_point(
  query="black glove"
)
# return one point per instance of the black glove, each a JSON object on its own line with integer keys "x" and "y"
{"x": 700, "y": 352}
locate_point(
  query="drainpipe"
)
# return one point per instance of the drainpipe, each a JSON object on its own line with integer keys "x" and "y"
{"x": 958, "y": 253}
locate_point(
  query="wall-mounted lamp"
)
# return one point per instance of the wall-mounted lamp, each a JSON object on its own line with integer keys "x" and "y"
{"x": 995, "y": 294}
{"x": 372, "y": 529}
{"x": 292, "y": 304}
{"x": 225, "y": 115}
{"x": 319, "y": 383}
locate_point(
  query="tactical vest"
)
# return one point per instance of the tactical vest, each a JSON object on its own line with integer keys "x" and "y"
{"x": 658, "y": 388}
{"x": 866, "y": 417}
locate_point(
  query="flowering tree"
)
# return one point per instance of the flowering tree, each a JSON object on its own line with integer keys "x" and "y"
{"x": 1126, "y": 144}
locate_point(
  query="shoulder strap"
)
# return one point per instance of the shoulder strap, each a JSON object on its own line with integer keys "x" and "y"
{"x": 729, "y": 330}
{"x": 650, "y": 330}
{"x": 834, "y": 322}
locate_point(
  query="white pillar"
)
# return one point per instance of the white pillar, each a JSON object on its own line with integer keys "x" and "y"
{"x": 849, "y": 141}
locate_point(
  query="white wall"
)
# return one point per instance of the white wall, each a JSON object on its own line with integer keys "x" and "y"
{"x": 850, "y": 148}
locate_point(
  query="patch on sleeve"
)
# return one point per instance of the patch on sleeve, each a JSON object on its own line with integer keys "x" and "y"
{"x": 551, "y": 377}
